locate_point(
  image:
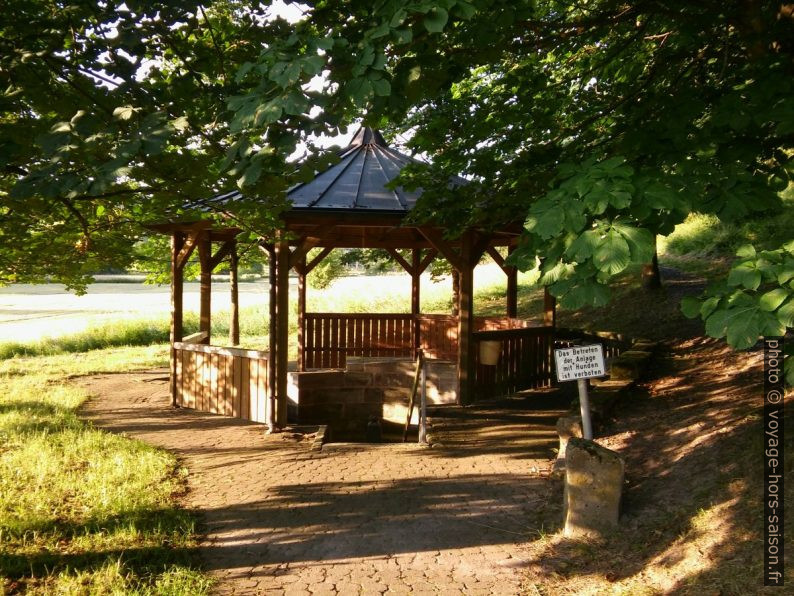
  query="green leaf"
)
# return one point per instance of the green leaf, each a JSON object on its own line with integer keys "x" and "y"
{"x": 772, "y": 299}
{"x": 464, "y": 10}
{"x": 100, "y": 210}
{"x": 436, "y": 20}
{"x": 786, "y": 272}
{"x": 743, "y": 331}
{"x": 382, "y": 87}
{"x": 746, "y": 251}
{"x": 545, "y": 220}
{"x": 641, "y": 242}
{"x": 313, "y": 65}
{"x": 251, "y": 174}
{"x": 741, "y": 326}
{"x": 267, "y": 113}
{"x": 745, "y": 274}
{"x": 583, "y": 247}
{"x": 690, "y": 306}
{"x": 124, "y": 112}
{"x": 785, "y": 314}
{"x": 612, "y": 253}
{"x": 709, "y": 306}
{"x": 360, "y": 90}
{"x": 585, "y": 294}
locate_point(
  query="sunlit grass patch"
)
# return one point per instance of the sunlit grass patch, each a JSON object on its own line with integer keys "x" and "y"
{"x": 83, "y": 511}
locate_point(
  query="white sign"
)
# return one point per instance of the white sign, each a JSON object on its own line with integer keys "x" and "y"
{"x": 580, "y": 362}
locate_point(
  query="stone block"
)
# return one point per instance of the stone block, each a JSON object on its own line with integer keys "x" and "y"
{"x": 399, "y": 395}
{"x": 357, "y": 379}
{"x": 338, "y": 395}
{"x": 320, "y": 413}
{"x": 645, "y": 345}
{"x": 373, "y": 395}
{"x": 593, "y": 488}
{"x": 568, "y": 427}
{"x": 629, "y": 365}
{"x": 318, "y": 378}
{"x": 396, "y": 413}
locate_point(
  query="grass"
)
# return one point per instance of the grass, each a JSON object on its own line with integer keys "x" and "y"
{"x": 704, "y": 245}
{"x": 83, "y": 511}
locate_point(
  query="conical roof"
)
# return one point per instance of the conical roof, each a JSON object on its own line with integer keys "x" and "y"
{"x": 358, "y": 182}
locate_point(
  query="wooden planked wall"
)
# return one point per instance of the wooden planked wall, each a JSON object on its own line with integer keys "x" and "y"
{"x": 525, "y": 361}
{"x": 228, "y": 381}
{"x": 330, "y": 337}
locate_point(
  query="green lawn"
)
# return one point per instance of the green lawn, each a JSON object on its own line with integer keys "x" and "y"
{"x": 83, "y": 511}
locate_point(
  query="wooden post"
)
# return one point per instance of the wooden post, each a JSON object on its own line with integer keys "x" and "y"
{"x": 205, "y": 254}
{"x": 549, "y": 309}
{"x": 272, "y": 344}
{"x": 416, "y": 284}
{"x": 466, "y": 322}
{"x": 282, "y": 330}
{"x": 177, "y": 242}
{"x": 234, "y": 321}
{"x": 512, "y": 288}
{"x": 301, "y": 269}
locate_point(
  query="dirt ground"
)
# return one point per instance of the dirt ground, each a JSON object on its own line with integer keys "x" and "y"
{"x": 693, "y": 510}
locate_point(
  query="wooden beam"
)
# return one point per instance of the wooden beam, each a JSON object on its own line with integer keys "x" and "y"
{"x": 177, "y": 243}
{"x": 466, "y": 327}
{"x": 188, "y": 246}
{"x": 317, "y": 260}
{"x": 270, "y": 250}
{"x": 477, "y": 245}
{"x": 416, "y": 286}
{"x": 205, "y": 311}
{"x": 512, "y": 288}
{"x": 432, "y": 253}
{"x": 301, "y": 268}
{"x": 497, "y": 258}
{"x": 400, "y": 260}
{"x": 282, "y": 330}
{"x": 437, "y": 241}
{"x": 234, "y": 314}
{"x": 224, "y": 251}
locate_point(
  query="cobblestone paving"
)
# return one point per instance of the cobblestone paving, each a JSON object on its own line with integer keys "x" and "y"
{"x": 350, "y": 519}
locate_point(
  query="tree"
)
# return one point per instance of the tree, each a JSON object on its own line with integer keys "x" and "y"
{"x": 598, "y": 124}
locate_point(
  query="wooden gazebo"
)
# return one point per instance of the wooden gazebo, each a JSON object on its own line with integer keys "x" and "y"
{"x": 350, "y": 206}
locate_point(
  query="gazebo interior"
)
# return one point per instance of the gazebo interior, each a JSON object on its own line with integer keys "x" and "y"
{"x": 352, "y": 368}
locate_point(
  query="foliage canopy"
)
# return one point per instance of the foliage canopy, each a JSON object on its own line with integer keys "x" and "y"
{"x": 599, "y": 123}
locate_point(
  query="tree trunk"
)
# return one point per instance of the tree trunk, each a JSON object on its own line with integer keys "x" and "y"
{"x": 651, "y": 279}
{"x": 455, "y": 292}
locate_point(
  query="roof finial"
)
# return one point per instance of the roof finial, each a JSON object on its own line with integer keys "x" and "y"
{"x": 368, "y": 136}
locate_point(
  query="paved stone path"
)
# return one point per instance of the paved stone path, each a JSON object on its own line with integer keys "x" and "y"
{"x": 350, "y": 519}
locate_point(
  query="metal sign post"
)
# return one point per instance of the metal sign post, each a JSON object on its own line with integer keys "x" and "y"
{"x": 579, "y": 363}
{"x": 423, "y": 408}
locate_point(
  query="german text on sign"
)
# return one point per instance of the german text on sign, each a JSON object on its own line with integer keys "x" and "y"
{"x": 580, "y": 362}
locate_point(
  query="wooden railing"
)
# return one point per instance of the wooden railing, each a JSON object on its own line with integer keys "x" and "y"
{"x": 438, "y": 336}
{"x": 329, "y": 338}
{"x": 525, "y": 361}
{"x": 227, "y": 381}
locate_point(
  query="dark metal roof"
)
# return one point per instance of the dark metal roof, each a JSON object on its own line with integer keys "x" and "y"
{"x": 357, "y": 182}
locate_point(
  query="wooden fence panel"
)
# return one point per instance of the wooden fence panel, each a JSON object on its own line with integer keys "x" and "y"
{"x": 523, "y": 362}
{"x": 331, "y": 337}
{"x": 228, "y": 381}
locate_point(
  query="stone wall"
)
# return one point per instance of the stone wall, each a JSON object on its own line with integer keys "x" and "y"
{"x": 345, "y": 400}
